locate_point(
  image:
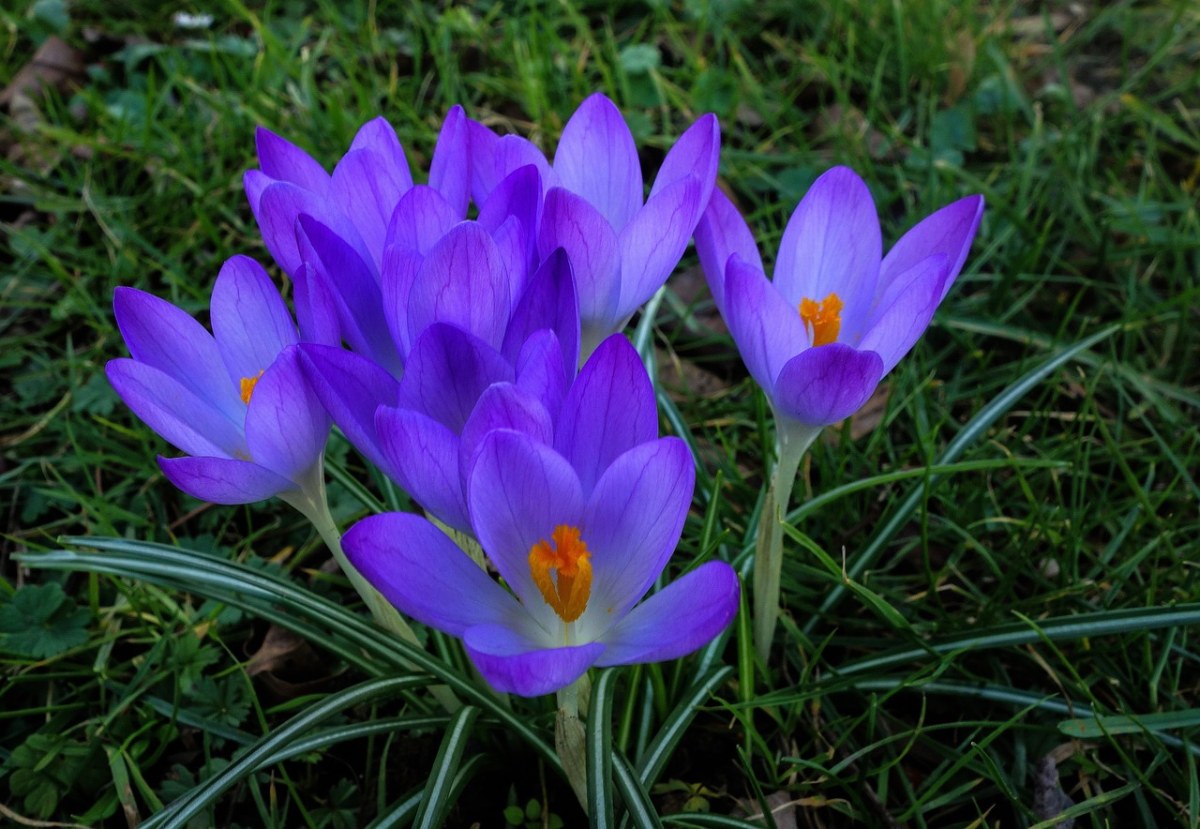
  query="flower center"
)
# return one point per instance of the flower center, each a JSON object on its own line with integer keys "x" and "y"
{"x": 247, "y": 385}
{"x": 566, "y": 591}
{"x": 823, "y": 319}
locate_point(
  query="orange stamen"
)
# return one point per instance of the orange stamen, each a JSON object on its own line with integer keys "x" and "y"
{"x": 247, "y": 385}
{"x": 568, "y": 590}
{"x": 823, "y": 319}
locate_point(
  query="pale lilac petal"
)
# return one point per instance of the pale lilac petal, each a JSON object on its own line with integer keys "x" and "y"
{"x": 948, "y": 231}
{"x": 503, "y": 406}
{"x": 721, "y": 233}
{"x": 676, "y": 620}
{"x": 223, "y": 480}
{"x": 420, "y": 219}
{"x": 544, "y": 372}
{"x": 519, "y": 491}
{"x": 463, "y": 282}
{"x": 167, "y": 338}
{"x": 632, "y": 524}
{"x": 286, "y": 425}
{"x": 284, "y": 161}
{"x": 549, "y": 302}
{"x": 450, "y": 170}
{"x": 515, "y": 248}
{"x": 423, "y": 573}
{"x": 826, "y": 384}
{"x": 609, "y": 410}
{"x": 173, "y": 411}
{"x": 378, "y": 136}
{"x": 282, "y": 204}
{"x": 482, "y": 143}
{"x": 351, "y": 388}
{"x": 447, "y": 371}
{"x": 316, "y": 308}
{"x": 515, "y": 663}
{"x": 905, "y": 311}
{"x": 249, "y": 319}
{"x": 570, "y": 223}
{"x": 597, "y": 159}
{"x": 652, "y": 244}
{"x": 423, "y": 458}
{"x": 832, "y": 245}
{"x": 365, "y": 190}
{"x": 352, "y": 283}
{"x": 519, "y": 194}
{"x": 768, "y": 331}
{"x": 696, "y": 153}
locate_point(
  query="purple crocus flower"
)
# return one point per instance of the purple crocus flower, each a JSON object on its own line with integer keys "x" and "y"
{"x": 622, "y": 249}
{"x": 579, "y": 528}
{"x": 236, "y": 403}
{"x": 838, "y": 315}
{"x": 467, "y": 340}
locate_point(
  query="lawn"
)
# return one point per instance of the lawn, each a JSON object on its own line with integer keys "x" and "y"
{"x": 990, "y": 580}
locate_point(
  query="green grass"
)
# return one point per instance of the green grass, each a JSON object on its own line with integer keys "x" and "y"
{"x": 922, "y": 687}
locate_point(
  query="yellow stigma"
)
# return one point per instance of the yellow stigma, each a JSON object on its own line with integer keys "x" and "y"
{"x": 568, "y": 592}
{"x": 822, "y": 318}
{"x": 248, "y": 384}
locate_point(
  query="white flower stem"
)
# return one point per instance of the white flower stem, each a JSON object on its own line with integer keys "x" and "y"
{"x": 311, "y": 502}
{"x": 792, "y": 441}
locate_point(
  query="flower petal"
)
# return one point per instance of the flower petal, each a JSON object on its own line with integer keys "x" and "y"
{"x": 400, "y": 268}
{"x": 350, "y": 280}
{"x": 223, "y": 480}
{"x": 422, "y": 216}
{"x": 832, "y": 245}
{"x": 905, "y": 311}
{"x": 351, "y": 388}
{"x": 286, "y": 425}
{"x": 543, "y": 372}
{"x": 493, "y": 158}
{"x": 948, "y": 231}
{"x": 249, "y": 319}
{"x": 608, "y": 410}
{"x": 378, "y": 136}
{"x": 423, "y": 458}
{"x": 519, "y": 194}
{"x": 173, "y": 411}
{"x": 284, "y": 161}
{"x": 695, "y": 153}
{"x": 464, "y": 282}
{"x": 721, "y": 233}
{"x": 570, "y": 223}
{"x": 519, "y": 491}
{"x": 682, "y": 617}
{"x": 450, "y": 169}
{"x": 515, "y": 663}
{"x": 652, "y": 244}
{"x": 503, "y": 406}
{"x": 167, "y": 338}
{"x": 549, "y": 302}
{"x": 316, "y": 308}
{"x": 281, "y": 204}
{"x": 632, "y": 524}
{"x": 826, "y": 384}
{"x": 597, "y": 159}
{"x": 447, "y": 371}
{"x": 768, "y": 331}
{"x": 365, "y": 190}
{"x": 423, "y": 573}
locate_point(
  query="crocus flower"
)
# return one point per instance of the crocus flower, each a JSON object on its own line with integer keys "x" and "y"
{"x": 622, "y": 249}
{"x": 579, "y": 528}
{"x": 838, "y": 315}
{"x": 466, "y": 341}
{"x": 236, "y": 403}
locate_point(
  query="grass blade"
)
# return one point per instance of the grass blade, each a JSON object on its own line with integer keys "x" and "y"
{"x": 599, "y": 751}
{"x": 975, "y": 429}
{"x": 640, "y": 810}
{"x": 651, "y": 764}
{"x": 435, "y": 800}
